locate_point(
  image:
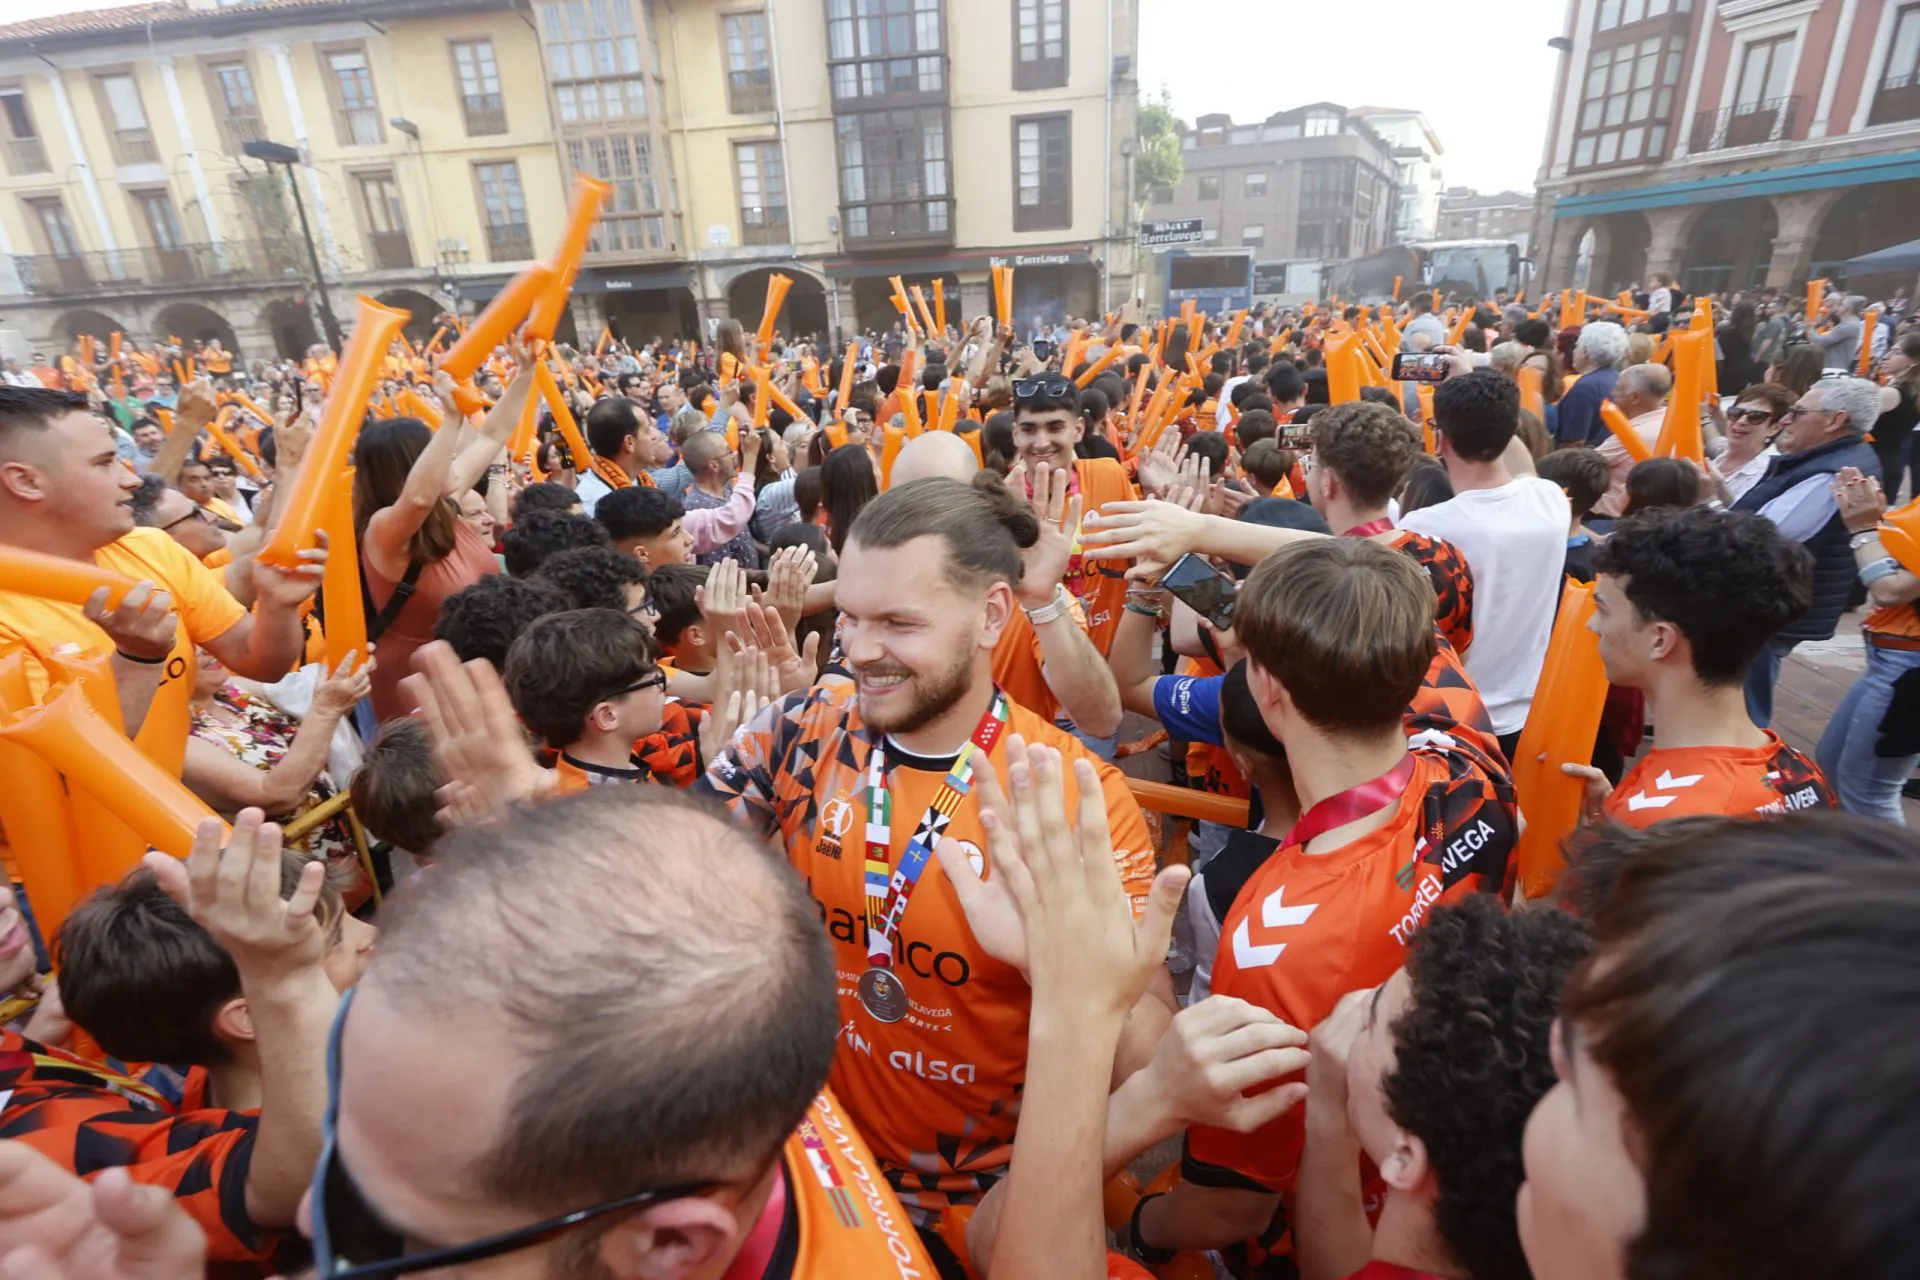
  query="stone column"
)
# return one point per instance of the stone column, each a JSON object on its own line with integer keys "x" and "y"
{"x": 1798, "y": 217}
{"x": 1667, "y": 247}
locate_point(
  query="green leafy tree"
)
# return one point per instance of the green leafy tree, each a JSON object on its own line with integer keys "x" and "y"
{"x": 1157, "y": 161}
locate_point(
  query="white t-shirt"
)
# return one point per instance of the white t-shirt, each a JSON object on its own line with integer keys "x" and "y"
{"x": 1515, "y": 541}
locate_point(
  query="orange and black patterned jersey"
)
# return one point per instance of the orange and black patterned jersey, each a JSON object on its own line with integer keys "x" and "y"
{"x": 1308, "y": 928}
{"x": 936, "y": 1094}
{"x": 87, "y": 1119}
{"x": 1736, "y": 782}
{"x": 670, "y": 756}
{"x": 1448, "y": 702}
{"x": 1452, "y": 583}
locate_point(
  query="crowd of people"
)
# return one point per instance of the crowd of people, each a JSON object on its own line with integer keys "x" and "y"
{"x": 717, "y": 866}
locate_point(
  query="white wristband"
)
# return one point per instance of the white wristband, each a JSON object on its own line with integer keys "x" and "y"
{"x": 1054, "y": 608}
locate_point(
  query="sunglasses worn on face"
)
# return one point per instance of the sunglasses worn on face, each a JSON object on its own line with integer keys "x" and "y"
{"x": 352, "y": 1242}
{"x": 198, "y": 513}
{"x": 1751, "y": 415}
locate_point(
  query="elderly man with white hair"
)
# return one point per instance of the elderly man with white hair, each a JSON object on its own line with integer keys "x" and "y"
{"x": 1597, "y": 357}
{"x": 1824, "y": 432}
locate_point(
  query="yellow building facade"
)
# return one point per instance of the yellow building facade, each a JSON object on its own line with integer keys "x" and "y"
{"x": 434, "y": 141}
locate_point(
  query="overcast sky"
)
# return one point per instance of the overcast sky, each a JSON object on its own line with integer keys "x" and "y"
{"x": 1481, "y": 73}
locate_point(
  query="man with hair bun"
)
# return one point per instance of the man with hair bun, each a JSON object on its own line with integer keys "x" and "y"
{"x": 860, "y": 789}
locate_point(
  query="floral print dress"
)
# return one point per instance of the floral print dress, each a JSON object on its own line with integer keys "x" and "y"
{"x": 258, "y": 733}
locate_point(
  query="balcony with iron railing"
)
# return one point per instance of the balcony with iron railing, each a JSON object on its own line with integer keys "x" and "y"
{"x": 1897, "y": 99}
{"x": 232, "y": 263}
{"x": 765, "y": 225}
{"x": 26, "y": 155}
{"x": 359, "y": 126}
{"x": 509, "y": 242}
{"x": 135, "y": 146}
{"x": 486, "y": 114}
{"x": 238, "y": 128}
{"x": 391, "y": 250}
{"x": 1748, "y": 124}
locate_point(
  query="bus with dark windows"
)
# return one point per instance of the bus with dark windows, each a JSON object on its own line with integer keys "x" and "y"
{"x": 1463, "y": 269}
{"x": 1218, "y": 282}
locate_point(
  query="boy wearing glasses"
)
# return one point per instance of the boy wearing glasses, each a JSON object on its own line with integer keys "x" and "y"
{"x": 588, "y": 682}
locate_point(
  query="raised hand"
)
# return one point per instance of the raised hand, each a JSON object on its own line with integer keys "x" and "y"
{"x": 477, "y": 739}
{"x": 342, "y": 687}
{"x": 55, "y": 1226}
{"x": 745, "y": 680}
{"x": 233, "y": 892}
{"x": 723, "y": 596}
{"x": 1048, "y": 558}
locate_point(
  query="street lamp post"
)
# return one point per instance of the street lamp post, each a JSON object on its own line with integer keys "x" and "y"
{"x": 273, "y": 153}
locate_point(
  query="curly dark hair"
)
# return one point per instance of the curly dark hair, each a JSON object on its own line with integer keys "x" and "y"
{"x": 539, "y": 534}
{"x": 1369, "y": 448}
{"x": 483, "y": 620}
{"x": 596, "y": 577}
{"x": 1478, "y": 413}
{"x": 1727, "y": 579}
{"x": 545, "y": 496}
{"x": 1471, "y": 1058}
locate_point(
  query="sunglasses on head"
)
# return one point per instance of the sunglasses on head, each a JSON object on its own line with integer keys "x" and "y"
{"x": 351, "y": 1241}
{"x": 1048, "y": 386}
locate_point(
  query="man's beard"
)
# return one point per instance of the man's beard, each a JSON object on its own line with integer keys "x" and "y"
{"x": 928, "y": 696}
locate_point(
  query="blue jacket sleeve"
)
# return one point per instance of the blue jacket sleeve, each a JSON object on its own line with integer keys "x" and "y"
{"x": 1189, "y": 707}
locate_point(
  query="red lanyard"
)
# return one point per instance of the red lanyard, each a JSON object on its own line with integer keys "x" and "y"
{"x": 1368, "y": 529}
{"x": 751, "y": 1262}
{"x": 1352, "y": 804}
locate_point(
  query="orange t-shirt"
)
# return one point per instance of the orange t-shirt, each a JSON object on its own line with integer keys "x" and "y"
{"x": 1101, "y": 585}
{"x": 1894, "y": 620}
{"x": 1737, "y": 782}
{"x": 46, "y": 629}
{"x": 1308, "y": 928}
{"x": 1017, "y": 666}
{"x": 850, "y": 1222}
{"x": 937, "y": 1093}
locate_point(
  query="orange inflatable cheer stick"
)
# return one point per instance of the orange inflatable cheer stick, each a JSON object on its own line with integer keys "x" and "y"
{"x": 777, "y": 286}
{"x": 1623, "y": 431}
{"x": 762, "y": 379}
{"x": 491, "y": 327}
{"x": 35, "y": 573}
{"x": 346, "y": 629}
{"x": 305, "y": 509}
{"x": 1816, "y": 294}
{"x": 33, "y": 809}
{"x": 67, "y": 734}
{"x": 1868, "y": 323}
{"x": 784, "y": 401}
{"x": 1423, "y": 394}
{"x": 611, "y": 473}
{"x": 892, "y": 438}
{"x": 1572, "y": 691}
{"x": 1098, "y": 367}
{"x": 1397, "y": 280}
{"x": 101, "y": 839}
{"x": 1533, "y": 397}
{"x": 1680, "y": 431}
{"x": 847, "y": 367}
{"x": 940, "y": 303}
{"x": 926, "y": 313}
{"x": 1003, "y": 293}
{"x": 1900, "y": 535}
{"x": 1343, "y": 374}
{"x": 231, "y": 447}
{"x": 544, "y": 317}
{"x": 416, "y": 404}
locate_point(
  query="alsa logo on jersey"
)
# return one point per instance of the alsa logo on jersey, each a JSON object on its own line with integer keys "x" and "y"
{"x": 1274, "y": 914}
{"x": 934, "y": 1069}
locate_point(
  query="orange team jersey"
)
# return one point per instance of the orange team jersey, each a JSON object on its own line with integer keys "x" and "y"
{"x": 846, "y": 1221}
{"x": 45, "y": 629}
{"x": 937, "y": 1093}
{"x": 87, "y": 1118}
{"x": 1737, "y": 782}
{"x": 1452, "y": 583}
{"x": 670, "y": 757}
{"x": 1017, "y": 664}
{"x": 1209, "y": 767}
{"x": 1101, "y": 585}
{"x": 1308, "y": 928}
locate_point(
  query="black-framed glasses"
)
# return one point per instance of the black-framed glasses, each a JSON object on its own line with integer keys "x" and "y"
{"x": 351, "y": 1241}
{"x": 656, "y": 680}
{"x": 198, "y": 513}
{"x": 1048, "y": 386}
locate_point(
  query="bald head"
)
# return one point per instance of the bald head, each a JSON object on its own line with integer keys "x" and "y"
{"x": 701, "y": 448}
{"x": 934, "y": 453}
{"x": 1642, "y": 387}
{"x": 659, "y": 983}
